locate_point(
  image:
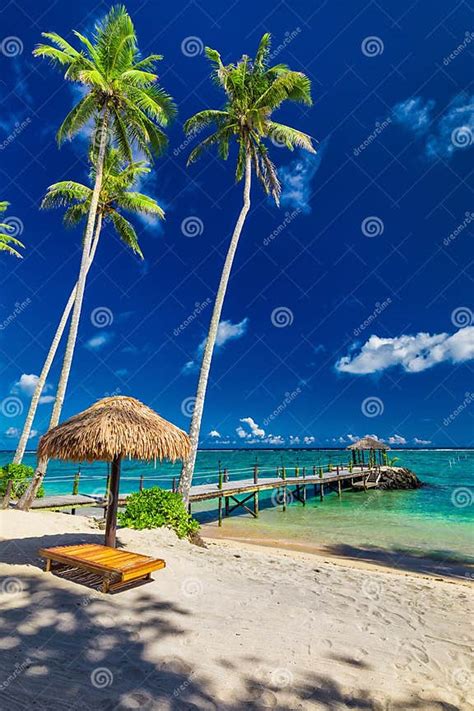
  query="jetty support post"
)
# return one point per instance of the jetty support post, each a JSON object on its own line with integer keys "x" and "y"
{"x": 255, "y": 496}
{"x": 220, "y": 497}
{"x": 321, "y": 485}
{"x": 304, "y": 486}
{"x": 339, "y": 488}
{"x": 140, "y": 485}
{"x": 226, "y": 498}
{"x": 283, "y": 476}
{"x": 75, "y": 487}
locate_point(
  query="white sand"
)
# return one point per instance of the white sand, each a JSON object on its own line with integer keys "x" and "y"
{"x": 231, "y": 627}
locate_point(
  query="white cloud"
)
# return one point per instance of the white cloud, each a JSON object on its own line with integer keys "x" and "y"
{"x": 451, "y": 132}
{"x": 214, "y": 434}
{"x": 294, "y": 439}
{"x": 414, "y": 114}
{"x": 241, "y": 432}
{"x": 413, "y": 353}
{"x": 275, "y": 440}
{"x": 26, "y": 386}
{"x": 352, "y": 438}
{"x": 397, "y": 439}
{"x": 255, "y": 430}
{"x": 421, "y": 441}
{"x": 45, "y": 399}
{"x": 309, "y": 440}
{"x": 296, "y": 179}
{"x": 226, "y": 331}
{"x": 14, "y": 432}
{"x": 97, "y": 342}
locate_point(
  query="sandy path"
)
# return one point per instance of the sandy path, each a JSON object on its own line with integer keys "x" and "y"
{"x": 231, "y": 627}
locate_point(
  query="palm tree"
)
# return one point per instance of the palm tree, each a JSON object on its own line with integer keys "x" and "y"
{"x": 125, "y": 104}
{"x": 6, "y": 241}
{"x": 253, "y": 91}
{"x": 116, "y": 196}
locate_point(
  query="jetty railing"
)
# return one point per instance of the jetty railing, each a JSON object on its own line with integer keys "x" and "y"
{"x": 234, "y": 489}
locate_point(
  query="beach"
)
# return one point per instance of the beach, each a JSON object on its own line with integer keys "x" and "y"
{"x": 227, "y": 627}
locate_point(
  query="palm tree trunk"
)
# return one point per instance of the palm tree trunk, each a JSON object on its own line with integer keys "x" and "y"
{"x": 27, "y": 498}
{"x": 20, "y": 450}
{"x": 188, "y": 465}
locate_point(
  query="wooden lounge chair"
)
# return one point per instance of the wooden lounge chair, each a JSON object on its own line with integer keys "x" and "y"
{"x": 117, "y": 568}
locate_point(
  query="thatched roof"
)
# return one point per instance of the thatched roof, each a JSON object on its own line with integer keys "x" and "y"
{"x": 115, "y": 426}
{"x": 369, "y": 443}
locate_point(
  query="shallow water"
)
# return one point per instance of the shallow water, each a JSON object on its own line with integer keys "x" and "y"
{"x": 435, "y": 520}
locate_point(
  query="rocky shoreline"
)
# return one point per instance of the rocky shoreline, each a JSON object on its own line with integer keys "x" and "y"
{"x": 398, "y": 478}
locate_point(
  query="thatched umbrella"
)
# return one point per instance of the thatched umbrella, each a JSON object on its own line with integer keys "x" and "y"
{"x": 111, "y": 429}
{"x": 367, "y": 443}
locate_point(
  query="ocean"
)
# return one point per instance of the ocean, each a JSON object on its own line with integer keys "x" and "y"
{"x": 434, "y": 521}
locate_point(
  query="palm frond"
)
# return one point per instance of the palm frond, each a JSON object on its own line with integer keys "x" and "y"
{"x": 126, "y": 232}
{"x": 77, "y": 118}
{"x": 291, "y": 137}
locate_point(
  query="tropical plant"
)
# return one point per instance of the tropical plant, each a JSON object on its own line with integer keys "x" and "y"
{"x": 126, "y": 106}
{"x": 116, "y": 197}
{"x": 7, "y": 240}
{"x": 157, "y": 508}
{"x": 254, "y": 90}
{"x": 20, "y": 475}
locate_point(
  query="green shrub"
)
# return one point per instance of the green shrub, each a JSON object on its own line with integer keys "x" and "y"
{"x": 20, "y": 474}
{"x": 155, "y": 508}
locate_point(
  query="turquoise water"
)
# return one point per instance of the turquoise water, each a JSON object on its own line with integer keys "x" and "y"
{"x": 435, "y": 519}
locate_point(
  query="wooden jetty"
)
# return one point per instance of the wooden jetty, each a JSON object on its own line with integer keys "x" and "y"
{"x": 242, "y": 494}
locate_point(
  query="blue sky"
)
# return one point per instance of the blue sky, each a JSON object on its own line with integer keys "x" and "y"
{"x": 350, "y": 308}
